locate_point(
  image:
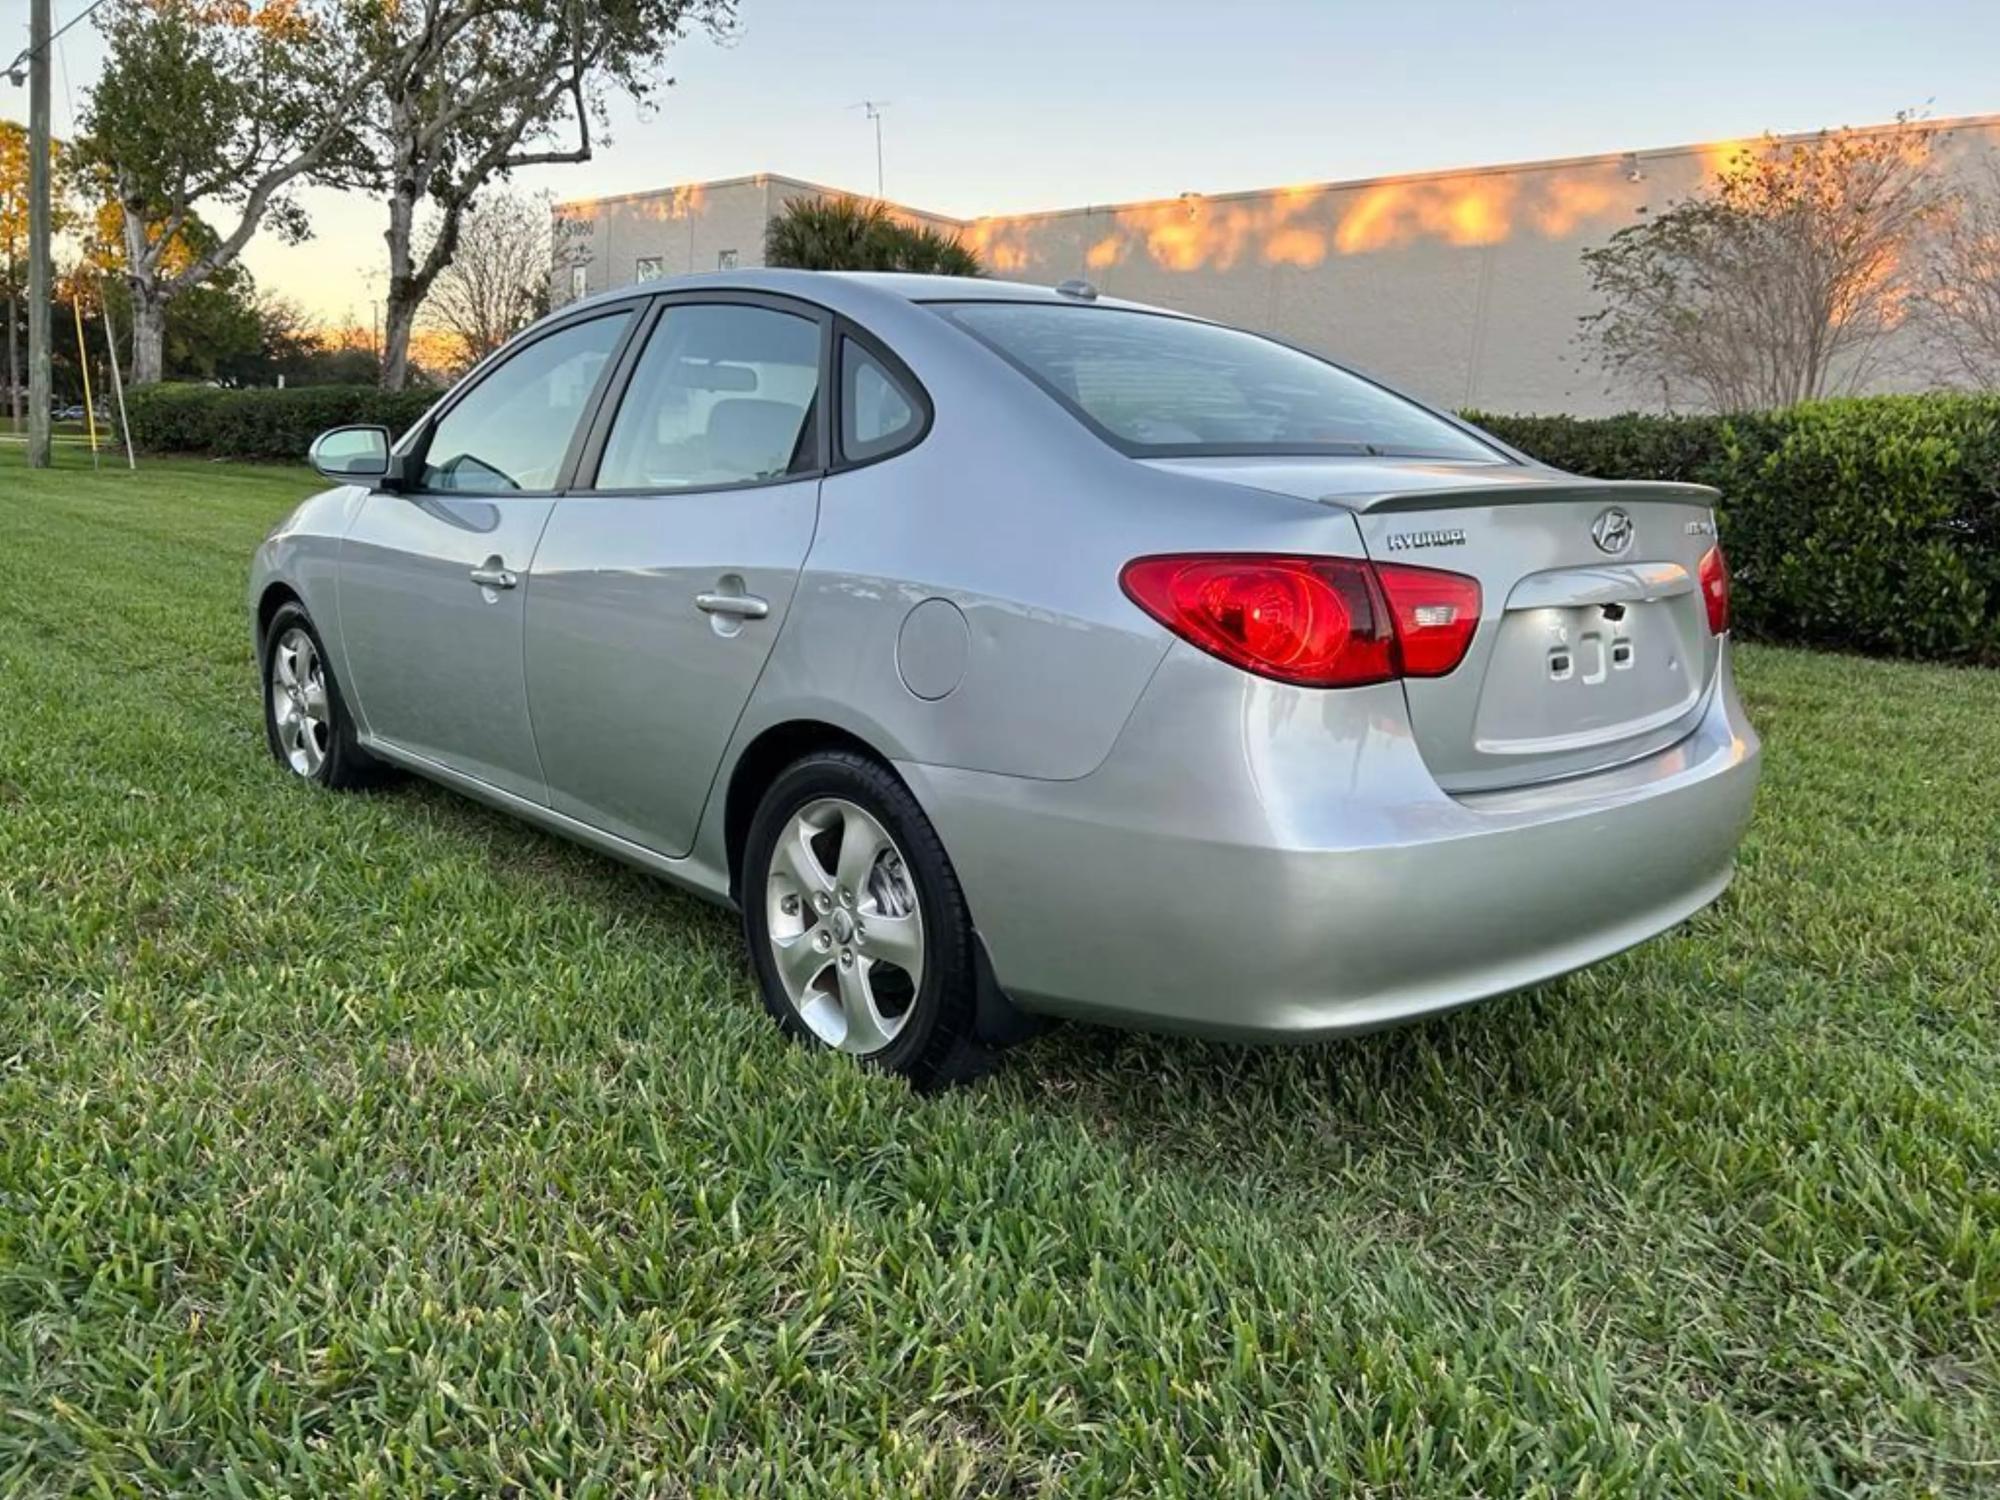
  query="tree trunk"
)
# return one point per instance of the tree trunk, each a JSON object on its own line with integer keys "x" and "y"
{"x": 399, "y": 311}
{"x": 14, "y": 357}
{"x": 399, "y": 316}
{"x": 149, "y": 334}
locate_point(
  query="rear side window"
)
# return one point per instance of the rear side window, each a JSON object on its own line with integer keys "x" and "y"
{"x": 1158, "y": 386}
{"x": 511, "y": 431}
{"x": 879, "y": 413}
{"x": 723, "y": 394}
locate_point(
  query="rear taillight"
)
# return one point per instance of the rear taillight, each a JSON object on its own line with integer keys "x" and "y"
{"x": 1311, "y": 621}
{"x": 1714, "y": 576}
{"x": 1435, "y": 616}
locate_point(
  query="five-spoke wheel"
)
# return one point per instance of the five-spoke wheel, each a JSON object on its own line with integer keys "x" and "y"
{"x": 305, "y": 719}
{"x": 857, "y": 928}
{"x": 300, "y": 708}
{"x": 845, "y": 928}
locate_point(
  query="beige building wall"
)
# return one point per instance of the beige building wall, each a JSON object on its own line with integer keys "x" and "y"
{"x": 704, "y": 226}
{"x": 1466, "y": 288}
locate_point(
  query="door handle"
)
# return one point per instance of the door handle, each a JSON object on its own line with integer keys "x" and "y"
{"x": 737, "y": 606}
{"x": 494, "y": 578}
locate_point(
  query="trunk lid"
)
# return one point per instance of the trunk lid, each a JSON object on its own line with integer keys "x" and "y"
{"x": 1593, "y": 646}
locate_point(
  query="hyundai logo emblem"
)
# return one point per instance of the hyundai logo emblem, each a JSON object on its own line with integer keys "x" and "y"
{"x": 1612, "y": 530}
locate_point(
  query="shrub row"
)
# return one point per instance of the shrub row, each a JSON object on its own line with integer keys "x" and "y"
{"x": 1869, "y": 524}
{"x": 261, "y": 424}
{"x": 1866, "y": 524}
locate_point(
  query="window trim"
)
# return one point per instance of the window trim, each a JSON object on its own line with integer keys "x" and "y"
{"x": 945, "y": 307}
{"x": 631, "y": 309}
{"x": 888, "y": 359}
{"x": 583, "y": 479}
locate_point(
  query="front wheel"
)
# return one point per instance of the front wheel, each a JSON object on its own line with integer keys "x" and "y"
{"x": 856, "y": 925}
{"x": 306, "y": 720}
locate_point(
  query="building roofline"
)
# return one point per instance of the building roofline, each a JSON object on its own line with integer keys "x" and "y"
{"x": 755, "y": 179}
{"x": 1490, "y": 169}
{"x": 1352, "y": 184}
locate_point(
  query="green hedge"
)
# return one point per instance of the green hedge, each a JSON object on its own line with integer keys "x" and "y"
{"x": 1866, "y": 524}
{"x": 1869, "y": 524}
{"x": 261, "y": 424}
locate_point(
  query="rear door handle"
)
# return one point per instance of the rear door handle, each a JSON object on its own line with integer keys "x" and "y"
{"x": 494, "y": 578}
{"x": 738, "y": 606}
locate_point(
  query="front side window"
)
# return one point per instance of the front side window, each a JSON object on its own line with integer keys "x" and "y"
{"x": 878, "y": 413}
{"x": 510, "y": 432}
{"x": 723, "y": 394}
{"x": 1159, "y": 387}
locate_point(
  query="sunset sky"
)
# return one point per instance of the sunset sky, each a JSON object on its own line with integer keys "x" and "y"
{"x": 999, "y": 108}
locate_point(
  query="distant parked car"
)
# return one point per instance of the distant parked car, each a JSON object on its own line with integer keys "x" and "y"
{"x": 70, "y": 414}
{"x": 1002, "y": 651}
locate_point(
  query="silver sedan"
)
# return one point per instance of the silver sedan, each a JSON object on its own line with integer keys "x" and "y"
{"x": 1005, "y": 653}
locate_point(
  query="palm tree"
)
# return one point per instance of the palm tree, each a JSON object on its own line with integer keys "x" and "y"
{"x": 853, "y": 234}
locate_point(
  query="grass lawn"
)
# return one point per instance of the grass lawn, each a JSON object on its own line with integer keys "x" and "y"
{"x": 379, "y": 1145}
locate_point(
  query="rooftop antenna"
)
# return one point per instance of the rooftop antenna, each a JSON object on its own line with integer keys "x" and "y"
{"x": 874, "y": 107}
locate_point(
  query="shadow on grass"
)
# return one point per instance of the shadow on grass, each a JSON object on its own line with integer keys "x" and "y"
{"x": 1430, "y": 1088}
{"x": 1438, "y": 1083}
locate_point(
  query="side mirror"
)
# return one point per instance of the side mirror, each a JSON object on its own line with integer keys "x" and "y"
{"x": 350, "y": 453}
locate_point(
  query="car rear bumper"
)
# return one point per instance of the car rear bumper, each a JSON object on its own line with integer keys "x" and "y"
{"x": 1260, "y": 861}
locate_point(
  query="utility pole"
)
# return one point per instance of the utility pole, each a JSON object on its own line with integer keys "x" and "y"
{"x": 38, "y": 236}
{"x": 875, "y": 108}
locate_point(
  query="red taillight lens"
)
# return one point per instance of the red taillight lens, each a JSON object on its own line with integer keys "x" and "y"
{"x": 1435, "y": 614}
{"x": 1714, "y": 576}
{"x": 1312, "y": 621}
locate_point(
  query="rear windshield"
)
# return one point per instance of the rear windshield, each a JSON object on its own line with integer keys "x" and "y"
{"x": 1165, "y": 387}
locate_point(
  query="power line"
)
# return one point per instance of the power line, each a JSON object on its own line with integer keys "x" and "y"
{"x": 14, "y": 68}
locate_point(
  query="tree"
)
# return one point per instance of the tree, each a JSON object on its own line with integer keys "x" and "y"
{"x": 223, "y": 103}
{"x": 13, "y": 249}
{"x": 471, "y": 90}
{"x": 1780, "y": 283}
{"x": 498, "y": 282}
{"x": 851, "y": 234}
{"x": 292, "y": 348}
{"x": 14, "y": 237}
{"x": 1958, "y": 295}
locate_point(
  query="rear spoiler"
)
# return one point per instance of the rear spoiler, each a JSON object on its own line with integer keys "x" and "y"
{"x": 1531, "y": 491}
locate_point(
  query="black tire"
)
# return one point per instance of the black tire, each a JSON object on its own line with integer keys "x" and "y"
{"x": 937, "y": 1045}
{"x": 343, "y": 765}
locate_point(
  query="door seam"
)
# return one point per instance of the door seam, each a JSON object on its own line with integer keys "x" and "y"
{"x": 527, "y": 685}
{"x": 736, "y": 728}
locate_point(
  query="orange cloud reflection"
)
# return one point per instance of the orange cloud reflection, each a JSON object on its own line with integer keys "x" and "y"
{"x": 1001, "y": 243}
{"x": 1567, "y": 203}
{"x": 1302, "y": 226}
{"x": 1724, "y": 158}
{"x": 1457, "y": 210}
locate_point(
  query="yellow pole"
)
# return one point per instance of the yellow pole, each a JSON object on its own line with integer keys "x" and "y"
{"x": 83, "y": 363}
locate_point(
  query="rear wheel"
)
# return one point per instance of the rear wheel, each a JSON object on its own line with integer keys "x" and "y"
{"x": 856, "y": 925}
{"x": 306, "y": 721}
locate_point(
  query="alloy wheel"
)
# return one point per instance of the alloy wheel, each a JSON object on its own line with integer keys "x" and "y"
{"x": 846, "y": 931}
{"x": 301, "y": 707}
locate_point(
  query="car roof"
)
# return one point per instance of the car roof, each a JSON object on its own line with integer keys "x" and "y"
{"x": 854, "y": 291}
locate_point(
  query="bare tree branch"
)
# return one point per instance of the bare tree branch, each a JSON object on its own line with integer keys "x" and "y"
{"x": 1782, "y": 282}
{"x": 472, "y": 90}
{"x": 496, "y": 281}
{"x": 1958, "y": 296}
